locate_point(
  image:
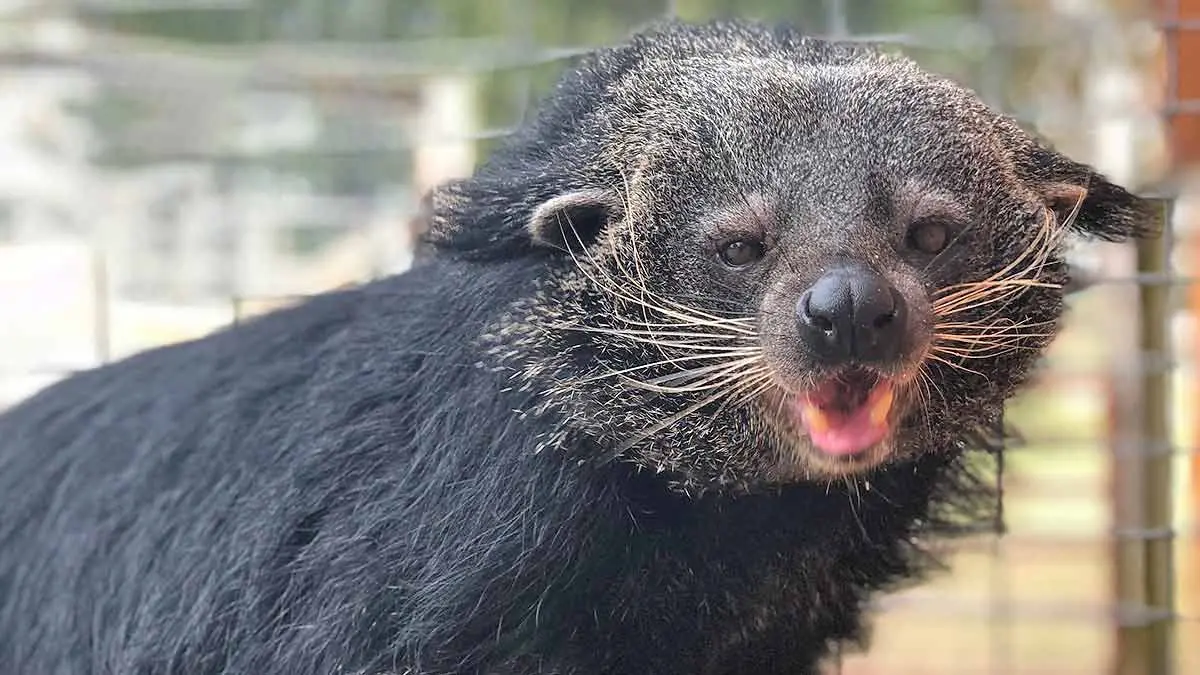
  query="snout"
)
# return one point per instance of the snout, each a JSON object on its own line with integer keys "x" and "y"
{"x": 845, "y": 347}
{"x": 852, "y": 315}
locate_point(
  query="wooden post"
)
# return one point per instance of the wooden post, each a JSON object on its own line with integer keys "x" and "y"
{"x": 1144, "y": 504}
{"x": 1181, "y": 106}
{"x": 1183, "y": 115}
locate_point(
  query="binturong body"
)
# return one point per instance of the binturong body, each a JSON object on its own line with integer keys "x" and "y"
{"x": 685, "y": 372}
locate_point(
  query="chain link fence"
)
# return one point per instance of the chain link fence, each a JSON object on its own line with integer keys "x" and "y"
{"x": 171, "y": 166}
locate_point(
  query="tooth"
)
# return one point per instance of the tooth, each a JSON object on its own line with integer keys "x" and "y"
{"x": 881, "y": 408}
{"x": 817, "y": 421}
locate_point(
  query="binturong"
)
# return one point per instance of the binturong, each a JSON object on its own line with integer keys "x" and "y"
{"x": 685, "y": 374}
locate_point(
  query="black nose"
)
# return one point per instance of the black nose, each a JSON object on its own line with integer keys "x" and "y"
{"x": 852, "y": 314}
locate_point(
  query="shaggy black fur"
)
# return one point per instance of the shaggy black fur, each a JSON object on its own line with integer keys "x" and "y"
{"x": 405, "y": 477}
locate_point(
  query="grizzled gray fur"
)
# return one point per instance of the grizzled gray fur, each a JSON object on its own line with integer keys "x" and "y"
{"x": 684, "y": 374}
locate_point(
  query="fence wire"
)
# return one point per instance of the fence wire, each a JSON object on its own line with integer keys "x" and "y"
{"x": 176, "y": 165}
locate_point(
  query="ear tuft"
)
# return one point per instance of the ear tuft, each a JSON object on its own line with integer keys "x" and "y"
{"x": 573, "y": 220}
{"x": 1088, "y": 203}
{"x": 1080, "y": 196}
{"x": 1104, "y": 210}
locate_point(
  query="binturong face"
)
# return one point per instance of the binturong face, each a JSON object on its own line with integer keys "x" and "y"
{"x": 794, "y": 262}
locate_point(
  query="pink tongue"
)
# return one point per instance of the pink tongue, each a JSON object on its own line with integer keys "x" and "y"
{"x": 845, "y": 433}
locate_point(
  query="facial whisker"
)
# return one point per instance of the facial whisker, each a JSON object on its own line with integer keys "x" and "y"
{"x": 930, "y": 387}
{"x": 671, "y": 344}
{"x": 998, "y": 302}
{"x": 991, "y": 283}
{"x": 986, "y": 293}
{"x": 653, "y": 333}
{"x": 747, "y": 390}
{"x": 980, "y": 347}
{"x": 741, "y": 325}
{"x": 655, "y": 364}
{"x": 754, "y": 386}
{"x": 717, "y": 373}
{"x": 984, "y": 353}
{"x": 977, "y": 325}
{"x": 708, "y": 377}
{"x": 987, "y": 336}
{"x": 983, "y": 295}
{"x": 853, "y": 495}
{"x": 934, "y": 357}
{"x": 654, "y": 429}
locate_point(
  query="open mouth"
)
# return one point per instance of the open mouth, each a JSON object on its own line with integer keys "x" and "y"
{"x": 847, "y": 413}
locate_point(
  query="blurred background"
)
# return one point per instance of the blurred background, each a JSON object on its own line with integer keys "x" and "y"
{"x": 170, "y": 166}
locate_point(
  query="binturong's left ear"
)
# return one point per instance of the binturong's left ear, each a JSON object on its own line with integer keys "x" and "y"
{"x": 1080, "y": 196}
{"x": 574, "y": 220}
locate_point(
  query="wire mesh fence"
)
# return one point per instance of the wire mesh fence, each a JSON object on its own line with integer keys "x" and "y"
{"x": 172, "y": 166}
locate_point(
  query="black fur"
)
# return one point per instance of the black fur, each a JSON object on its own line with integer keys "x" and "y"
{"x": 359, "y": 484}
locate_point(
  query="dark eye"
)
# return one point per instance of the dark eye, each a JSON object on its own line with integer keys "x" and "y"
{"x": 929, "y": 236}
{"x": 741, "y": 252}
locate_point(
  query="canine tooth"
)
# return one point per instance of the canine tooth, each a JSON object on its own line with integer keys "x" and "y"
{"x": 817, "y": 421}
{"x": 881, "y": 408}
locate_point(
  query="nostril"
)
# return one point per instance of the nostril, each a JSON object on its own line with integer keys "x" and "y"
{"x": 895, "y": 316}
{"x": 816, "y": 320}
